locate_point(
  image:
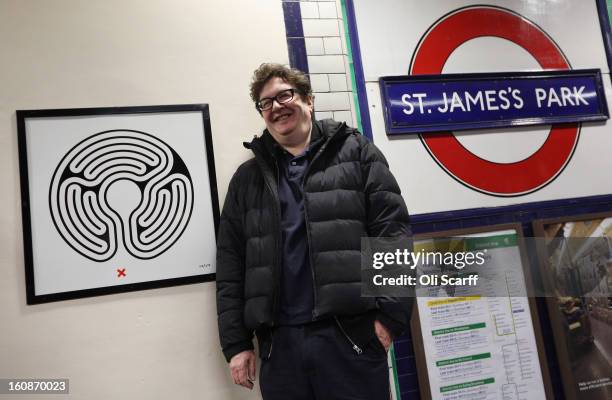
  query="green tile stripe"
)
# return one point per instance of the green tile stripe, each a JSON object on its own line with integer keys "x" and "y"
{"x": 347, "y": 39}
{"x": 455, "y": 329}
{"x": 459, "y": 360}
{"x": 395, "y": 380}
{"x": 491, "y": 242}
{"x": 467, "y": 385}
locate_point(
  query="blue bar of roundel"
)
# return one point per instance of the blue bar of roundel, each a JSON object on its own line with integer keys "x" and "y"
{"x": 415, "y": 104}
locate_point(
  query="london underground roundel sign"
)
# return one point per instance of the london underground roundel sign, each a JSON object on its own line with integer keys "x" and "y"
{"x": 498, "y": 179}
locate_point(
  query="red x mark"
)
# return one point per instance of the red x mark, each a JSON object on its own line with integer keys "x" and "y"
{"x": 120, "y": 272}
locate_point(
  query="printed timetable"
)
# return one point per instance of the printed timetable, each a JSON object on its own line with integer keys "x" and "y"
{"x": 481, "y": 345}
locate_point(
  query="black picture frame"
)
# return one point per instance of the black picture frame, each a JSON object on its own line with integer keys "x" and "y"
{"x": 200, "y": 176}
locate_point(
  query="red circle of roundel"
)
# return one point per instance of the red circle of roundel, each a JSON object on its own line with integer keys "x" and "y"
{"x": 501, "y": 179}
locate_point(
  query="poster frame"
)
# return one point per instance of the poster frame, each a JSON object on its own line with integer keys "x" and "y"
{"x": 415, "y": 324}
{"x": 23, "y": 116}
{"x": 559, "y": 337}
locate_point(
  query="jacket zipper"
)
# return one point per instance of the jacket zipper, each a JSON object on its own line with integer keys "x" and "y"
{"x": 312, "y": 270}
{"x": 355, "y": 347}
{"x": 275, "y": 298}
{"x": 279, "y": 255}
{"x": 271, "y": 343}
{"x": 276, "y": 244}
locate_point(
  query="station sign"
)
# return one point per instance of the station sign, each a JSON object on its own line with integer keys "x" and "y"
{"x": 451, "y": 102}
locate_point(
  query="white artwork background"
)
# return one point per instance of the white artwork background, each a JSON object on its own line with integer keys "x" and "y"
{"x": 389, "y": 31}
{"x": 57, "y": 266}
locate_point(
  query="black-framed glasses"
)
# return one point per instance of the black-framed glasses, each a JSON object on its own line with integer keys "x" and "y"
{"x": 282, "y": 97}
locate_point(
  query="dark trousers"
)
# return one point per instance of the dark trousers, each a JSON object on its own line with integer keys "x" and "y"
{"x": 317, "y": 362}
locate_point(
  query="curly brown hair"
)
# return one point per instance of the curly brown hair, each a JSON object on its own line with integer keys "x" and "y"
{"x": 267, "y": 71}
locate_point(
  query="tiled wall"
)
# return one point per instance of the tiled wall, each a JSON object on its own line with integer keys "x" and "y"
{"x": 317, "y": 46}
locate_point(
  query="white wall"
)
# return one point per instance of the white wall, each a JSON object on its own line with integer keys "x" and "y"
{"x": 67, "y": 53}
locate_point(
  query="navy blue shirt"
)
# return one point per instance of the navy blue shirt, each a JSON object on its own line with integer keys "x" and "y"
{"x": 297, "y": 288}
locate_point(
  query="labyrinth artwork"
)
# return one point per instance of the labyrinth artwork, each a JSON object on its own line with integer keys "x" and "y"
{"x": 78, "y": 195}
{"x": 116, "y": 199}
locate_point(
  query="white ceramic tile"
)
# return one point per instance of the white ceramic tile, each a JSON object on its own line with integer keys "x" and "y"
{"x": 326, "y": 64}
{"x": 328, "y": 10}
{"x": 344, "y": 116}
{"x": 320, "y": 27}
{"x": 332, "y": 45}
{"x": 319, "y": 82}
{"x": 309, "y": 9}
{"x": 349, "y": 83}
{"x": 353, "y": 109}
{"x": 341, "y": 29}
{"x": 323, "y": 114}
{"x": 337, "y": 83}
{"x": 338, "y": 101}
{"x": 314, "y": 46}
{"x": 347, "y": 68}
{"x": 343, "y": 40}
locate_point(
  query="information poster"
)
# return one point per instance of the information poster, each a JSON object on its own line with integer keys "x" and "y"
{"x": 576, "y": 262}
{"x": 480, "y": 343}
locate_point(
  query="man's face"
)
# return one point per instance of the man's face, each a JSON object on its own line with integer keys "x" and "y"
{"x": 292, "y": 118}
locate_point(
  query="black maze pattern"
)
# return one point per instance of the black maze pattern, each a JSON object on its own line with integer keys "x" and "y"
{"x": 78, "y": 201}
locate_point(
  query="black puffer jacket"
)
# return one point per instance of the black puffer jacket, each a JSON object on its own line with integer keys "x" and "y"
{"x": 348, "y": 193}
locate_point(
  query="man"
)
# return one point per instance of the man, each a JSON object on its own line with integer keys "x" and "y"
{"x": 288, "y": 254}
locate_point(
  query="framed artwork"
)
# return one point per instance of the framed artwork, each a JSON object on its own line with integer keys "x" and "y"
{"x": 482, "y": 341}
{"x": 575, "y": 255}
{"x": 116, "y": 199}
